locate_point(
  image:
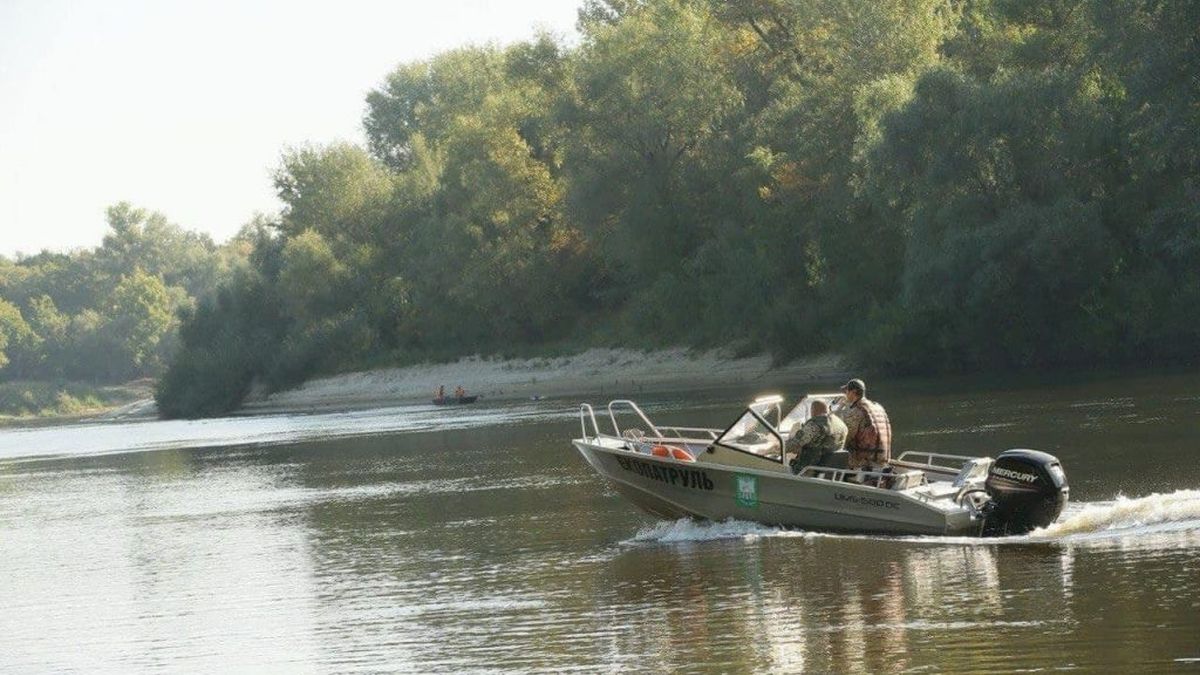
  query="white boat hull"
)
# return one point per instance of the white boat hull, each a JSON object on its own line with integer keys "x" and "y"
{"x": 671, "y": 488}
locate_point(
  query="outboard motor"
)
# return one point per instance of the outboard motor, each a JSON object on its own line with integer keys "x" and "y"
{"x": 1027, "y": 489}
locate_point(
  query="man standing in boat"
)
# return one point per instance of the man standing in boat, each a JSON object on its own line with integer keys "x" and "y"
{"x": 869, "y": 431}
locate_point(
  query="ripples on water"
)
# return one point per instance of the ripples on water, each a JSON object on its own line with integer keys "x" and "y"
{"x": 418, "y": 540}
{"x": 91, "y": 438}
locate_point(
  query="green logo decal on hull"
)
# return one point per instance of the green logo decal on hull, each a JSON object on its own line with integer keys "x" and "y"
{"x": 746, "y": 490}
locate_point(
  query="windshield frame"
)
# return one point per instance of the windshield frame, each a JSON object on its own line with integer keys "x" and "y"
{"x": 761, "y": 420}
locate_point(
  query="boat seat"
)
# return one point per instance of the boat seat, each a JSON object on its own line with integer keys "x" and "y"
{"x": 903, "y": 479}
{"x": 838, "y": 459}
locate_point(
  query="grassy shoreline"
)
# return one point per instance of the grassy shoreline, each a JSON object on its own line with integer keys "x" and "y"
{"x": 37, "y": 400}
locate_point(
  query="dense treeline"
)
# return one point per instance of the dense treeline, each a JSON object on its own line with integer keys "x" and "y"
{"x": 108, "y": 314}
{"x": 921, "y": 184}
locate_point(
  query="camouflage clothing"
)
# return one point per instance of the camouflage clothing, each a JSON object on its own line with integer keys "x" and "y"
{"x": 819, "y": 435}
{"x": 869, "y": 437}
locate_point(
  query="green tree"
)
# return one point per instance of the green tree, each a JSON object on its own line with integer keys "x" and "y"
{"x": 226, "y": 344}
{"x": 422, "y": 99}
{"x": 338, "y": 191}
{"x": 311, "y": 277}
{"x": 18, "y": 342}
{"x": 502, "y": 226}
{"x": 54, "y": 329}
{"x": 138, "y": 316}
{"x": 107, "y": 313}
{"x": 147, "y": 240}
{"x": 653, "y": 93}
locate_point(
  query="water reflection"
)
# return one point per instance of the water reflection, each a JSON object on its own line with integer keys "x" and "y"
{"x": 169, "y": 581}
{"x": 495, "y": 547}
{"x": 880, "y": 605}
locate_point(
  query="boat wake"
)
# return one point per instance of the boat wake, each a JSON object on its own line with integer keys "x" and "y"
{"x": 688, "y": 530}
{"x": 1122, "y": 519}
{"x": 1179, "y": 510}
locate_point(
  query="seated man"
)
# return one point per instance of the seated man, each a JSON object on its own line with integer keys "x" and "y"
{"x": 822, "y": 433}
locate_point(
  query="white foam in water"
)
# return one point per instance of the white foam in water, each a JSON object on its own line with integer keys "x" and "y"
{"x": 686, "y": 529}
{"x": 1124, "y": 515}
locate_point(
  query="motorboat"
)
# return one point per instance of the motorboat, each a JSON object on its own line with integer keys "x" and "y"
{"x": 454, "y": 400}
{"x": 742, "y": 472}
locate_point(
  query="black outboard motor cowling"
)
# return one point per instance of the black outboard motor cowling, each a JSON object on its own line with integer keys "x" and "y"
{"x": 1027, "y": 490}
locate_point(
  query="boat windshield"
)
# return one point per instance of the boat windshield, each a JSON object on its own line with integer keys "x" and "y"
{"x": 750, "y": 434}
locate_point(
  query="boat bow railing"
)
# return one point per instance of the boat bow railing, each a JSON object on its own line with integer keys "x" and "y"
{"x": 660, "y": 434}
{"x": 586, "y": 408}
{"x": 612, "y": 416}
{"x": 682, "y": 432}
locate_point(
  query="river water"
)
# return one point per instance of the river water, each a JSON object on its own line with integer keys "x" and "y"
{"x": 424, "y": 539}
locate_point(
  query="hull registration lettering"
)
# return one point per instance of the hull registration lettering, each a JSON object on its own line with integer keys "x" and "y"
{"x": 866, "y": 501}
{"x": 690, "y": 478}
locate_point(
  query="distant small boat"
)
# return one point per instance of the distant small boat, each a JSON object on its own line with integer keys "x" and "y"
{"x": 455, "y": 400}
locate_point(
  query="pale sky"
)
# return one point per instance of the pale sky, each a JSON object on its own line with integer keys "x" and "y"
{"x": 184, "y": 107}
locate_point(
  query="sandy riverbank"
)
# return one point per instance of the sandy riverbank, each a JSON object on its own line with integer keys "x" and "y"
{"x": 596, "y": 372}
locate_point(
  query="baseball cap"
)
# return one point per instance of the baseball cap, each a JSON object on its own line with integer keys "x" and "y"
{"x": 857, "y": 385}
